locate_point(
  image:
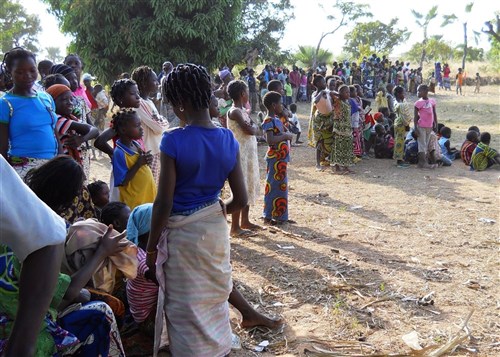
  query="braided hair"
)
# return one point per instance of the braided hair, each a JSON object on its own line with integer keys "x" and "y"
{"x": 96, "y": 187}
{"x": 271, "y": 98}
{"x": 15, "y": 54}
{"x": 121, "y": 118}
{"x": 188, "y": 83}
{"x": 141, "y": 76}
{"x": 111, "y": 211}
{"x": 235, "y": 88}
{"x": 119, "y": 88}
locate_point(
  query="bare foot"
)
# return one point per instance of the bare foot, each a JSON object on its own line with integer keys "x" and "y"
{"x": 251, "y": 226}
{"x": 258, "y": 319}
{"x": 241, "y": 233}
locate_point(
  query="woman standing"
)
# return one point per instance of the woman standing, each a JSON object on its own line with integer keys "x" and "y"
{"x": 27, "y": 117}
{"x": 189, "y": 219}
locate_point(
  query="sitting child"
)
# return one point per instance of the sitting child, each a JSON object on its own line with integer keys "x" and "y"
{"x": 411, "y": 148}
{"x": 294, "y": 124}
{"x": 484, "y": 156}
{"x": 444, "y": 143}
{"x": 99, "y": 193}
{"x": 468, "y": 146}
{"x": 384, "y": 143}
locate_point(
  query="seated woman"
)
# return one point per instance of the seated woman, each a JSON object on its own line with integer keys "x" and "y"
{"x": 73, "y": 324}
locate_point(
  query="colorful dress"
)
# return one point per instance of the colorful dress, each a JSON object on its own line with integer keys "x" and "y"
{"x": 482, "y": 157}
{"x": 320, "y": 132}
{"x": 249, "y": 156}
{"x": 466, "y": 151}
{"x": 403, "y": 119}
{"x": 277, "y": 158}
{"x": 342, "y": 135}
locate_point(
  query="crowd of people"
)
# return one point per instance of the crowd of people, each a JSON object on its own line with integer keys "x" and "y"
{"x": 157, "y": 234}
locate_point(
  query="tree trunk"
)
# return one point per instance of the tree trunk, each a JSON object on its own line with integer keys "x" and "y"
{"x": 465, "y": 46}
{"x": 315, "y": 57}
{"x": 424, "y": 53}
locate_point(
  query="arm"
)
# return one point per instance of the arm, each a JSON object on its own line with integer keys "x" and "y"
{"x": 101, "y": 142}
{"x": 447, "y": 146}
{"x": 248, "y": 128}
{"x": 86, "y": 131}
{"x": 272, "y": 138}
{"x": 36, "y": 288}
{"x": 141, "y": 161}
{"x": 4, "y": 139}
{"x": 415, "y": 119}
{"x": 236, "y": 181}
{"x": 162, "y": 207}
{"x": 107, "y": 246}
{"x": 148, "y": 121}
{"x": 435, "y": 124}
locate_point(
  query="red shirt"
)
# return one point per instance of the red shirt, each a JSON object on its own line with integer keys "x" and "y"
{"x": 93, "y": 103}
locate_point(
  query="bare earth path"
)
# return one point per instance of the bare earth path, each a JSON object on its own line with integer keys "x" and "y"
{"x": 367, "y": 247}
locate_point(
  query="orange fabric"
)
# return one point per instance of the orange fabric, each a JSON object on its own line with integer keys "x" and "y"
{"x": 57, "y": 89}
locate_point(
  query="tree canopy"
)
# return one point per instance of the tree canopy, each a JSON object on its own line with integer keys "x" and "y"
{"x": 115, "y": 36}
{"x": 379, "y": 37}
{"x": 305, "y": 56}
{"x": 17, "y": 28}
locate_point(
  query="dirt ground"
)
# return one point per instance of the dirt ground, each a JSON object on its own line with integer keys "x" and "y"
{"x": 379, "y": 254}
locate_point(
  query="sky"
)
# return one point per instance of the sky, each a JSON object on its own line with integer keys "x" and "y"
{"x": 311, "y": 21}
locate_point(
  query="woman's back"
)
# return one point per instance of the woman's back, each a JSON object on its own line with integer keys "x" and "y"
{"x": 204, "y": 158}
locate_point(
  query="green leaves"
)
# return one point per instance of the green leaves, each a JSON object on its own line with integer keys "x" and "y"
{"x": 17, "y": 28}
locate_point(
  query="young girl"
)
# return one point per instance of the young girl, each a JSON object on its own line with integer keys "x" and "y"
{"x": 355, "y": 122}
{"x": 342, "y": 156}
{"x": 27, "y": 118}
{"x": 132, "y": 174}
{"x": 425, "y": 119}
{"x": 152, "y": 122}
{"x": 321, "y": 122}
{"x": 73, "y": 134}
{"x": 245, "y": 131}
{"x": 401, "y": 124}
{"x": 189, "y": 219}
{"x": 99, "y": 192}
{"x": 277, "y": 158}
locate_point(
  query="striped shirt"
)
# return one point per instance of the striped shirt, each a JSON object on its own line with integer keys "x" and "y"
{"x": 481, "y": 156}
{"x": 142, "y": 293}
{"x": 466, "y": 151}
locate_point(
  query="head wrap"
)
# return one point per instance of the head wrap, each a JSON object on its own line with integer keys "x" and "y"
{"x": 139, "y": 222}
{"x": 61, "y": 69}
{"x": 57, "y": 89}
{"x": 377, "y": 116}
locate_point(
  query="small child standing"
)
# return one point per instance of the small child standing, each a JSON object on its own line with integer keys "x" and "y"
{"x": 294, "y": 124}
{"x": 444, "y": 143}
{"x": 484, "y": 156}
{"x": 132, "y": 174}
{"x": 425, "y": 119}
{"x": 288, "y": 92}
{"x": 478, "y": 84}
{"x": 102, "y": 106}
{"x": 245, "y": 132}
{"x": 277, "y": 158}
{"x": 460, "y": 80}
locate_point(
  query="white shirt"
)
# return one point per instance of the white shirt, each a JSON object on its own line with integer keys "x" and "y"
{"x": 26, "y": 223}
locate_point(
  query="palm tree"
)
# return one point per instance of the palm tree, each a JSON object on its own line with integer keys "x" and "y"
{"x": 54, "y": 54}
{"x": 306, "y": 55}
{"x": 449, "y": 19}
{"x": 423, "y": 22}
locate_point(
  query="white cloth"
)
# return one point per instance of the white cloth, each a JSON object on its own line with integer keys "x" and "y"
{"x": 153, "y": 124}
{"x": 249, "y": 156}
{"x": 26, "y": 223}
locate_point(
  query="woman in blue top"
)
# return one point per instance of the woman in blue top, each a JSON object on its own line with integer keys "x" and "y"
{"x": 189, "y": 237}
{"x": 27, "y": 117}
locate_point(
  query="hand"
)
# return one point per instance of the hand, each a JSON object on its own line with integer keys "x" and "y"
{"x": 74, "y": 141}
{"x": 149, "y": 157}
{"x": 145, "y": 158}
{"x": 112, "y": 245}
{"x": 151, "y": 263}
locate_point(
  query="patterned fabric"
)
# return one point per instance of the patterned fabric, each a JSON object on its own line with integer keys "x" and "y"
{"x": 357, "y": 147}
{"x": 322, "y": 129}
{"x": 22, "y": 165}
{"x": 466, "y": 151}
{"x": 399, "y": 141}
{"x": 249, "y": 157}
{"x": 482, "y": 157}
{"x": 277, "y": 157}
{"x": 195, "y": 283}
{"x": 82, "y": 207}
{"x": 342, "y": 143}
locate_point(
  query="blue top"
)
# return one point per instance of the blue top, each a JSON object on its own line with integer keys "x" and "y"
{"x": 444, "y": 151}
{"x": 31, "y": 123}
{"x": 204, "y": 158}
{"x": 120, "y": 167}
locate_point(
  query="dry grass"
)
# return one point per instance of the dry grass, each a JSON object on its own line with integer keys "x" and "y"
{"x": 379, "y": 254}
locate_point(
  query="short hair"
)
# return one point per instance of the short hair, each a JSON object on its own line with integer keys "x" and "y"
{"x": 472, "y": 135}
{"x": 440, "y": 126}
{"x": 121, "y": 118}
{"x": 474, "y": 128}
{"x": 293, "y": 107}
{"x": 379, "y": 128}
{"x": 271, "y": 98}
{"x": 316, "y": 79}
{"x": 76, "y": 56}
{"x": 445, "y": 131}
{"x": 485, "y": 137}
{"x": 398, "y": 90}
{"x": 188, "y": 83}
{"x": 111, "y": 211}
{"x": 235, "y": 88}
{"x": 119, "y": 88}
{"x": 15, "y": 54}
{"x": 62, "y": 172}
{"x": 44, "y": 64}
{"x": 96, "y": 187}
{"x": 52, "y": 79}
{"x": 273, "y": 85}
{"x": 423, "y": 87}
